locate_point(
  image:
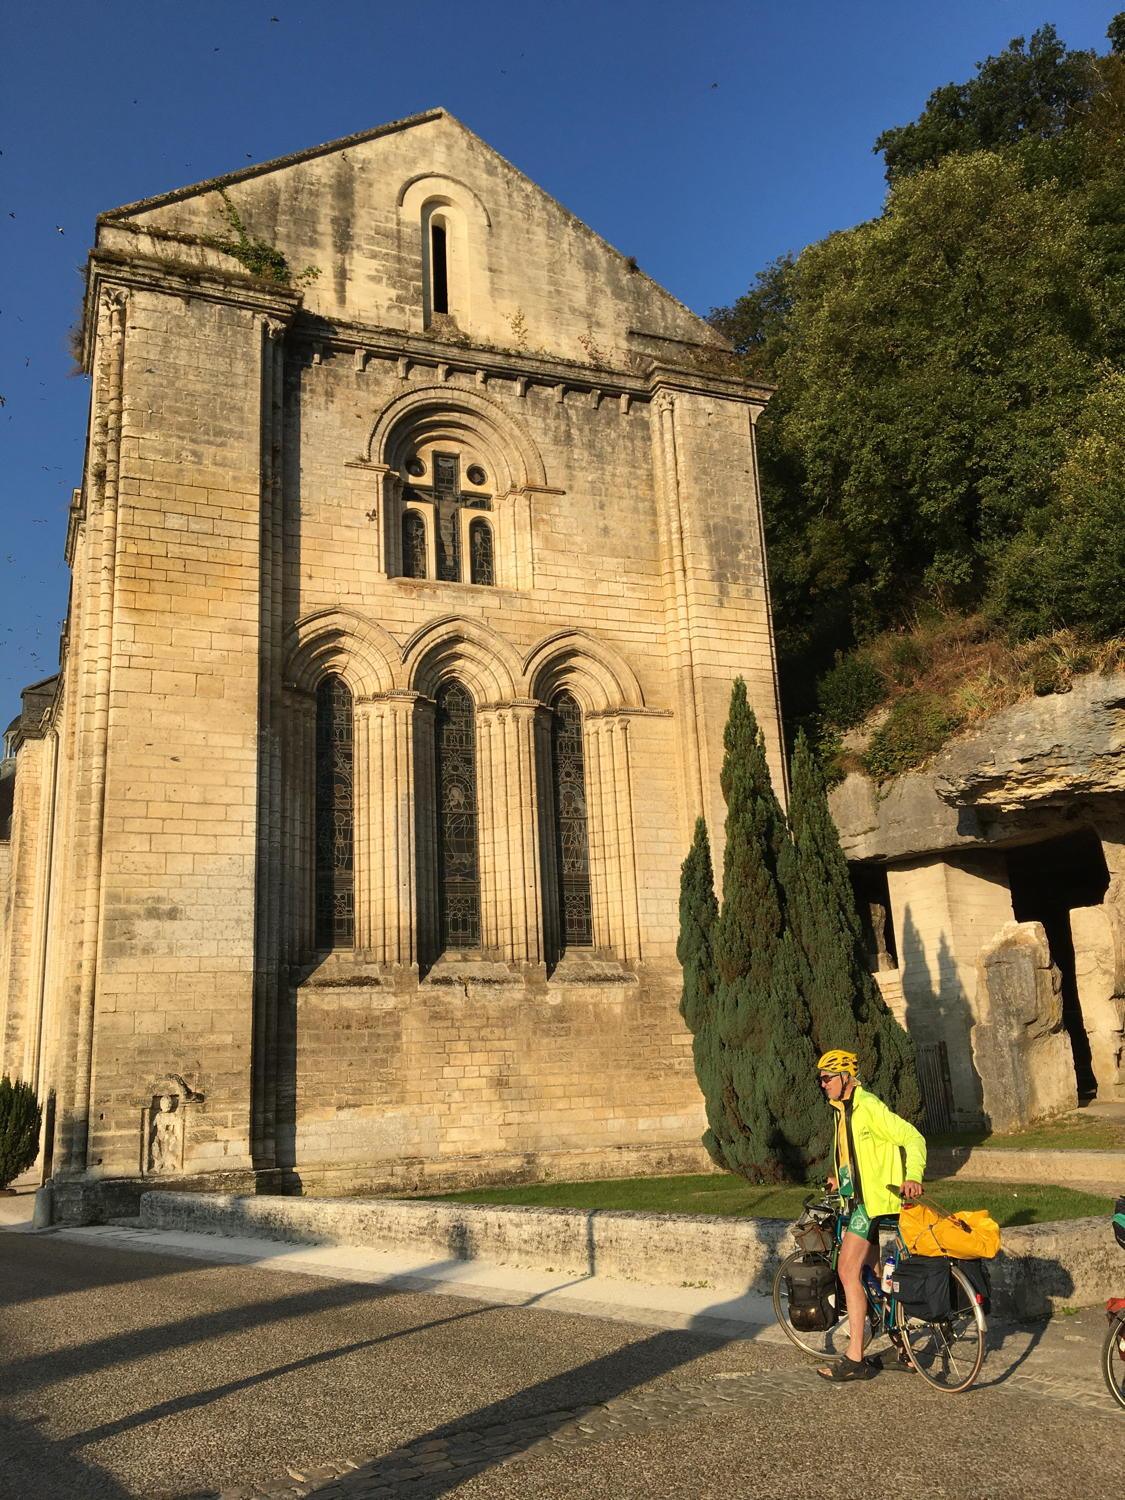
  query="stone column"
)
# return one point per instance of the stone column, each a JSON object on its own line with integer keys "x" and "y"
{"x": 545, "y": 818}
{"x": 613, "y": 866}
{"x": 386, "y": 876}
{"x": 425, "y": 831}
{"x": 508, "y": 833}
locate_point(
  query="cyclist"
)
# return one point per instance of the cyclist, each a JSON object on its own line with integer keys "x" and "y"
{"x": 870, "y": 1141}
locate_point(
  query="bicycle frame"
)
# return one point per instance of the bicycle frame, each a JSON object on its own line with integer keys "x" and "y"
{"x": 882, "y": 1306}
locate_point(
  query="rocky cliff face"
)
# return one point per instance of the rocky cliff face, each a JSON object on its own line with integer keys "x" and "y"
{"x": 1029, "y": 771}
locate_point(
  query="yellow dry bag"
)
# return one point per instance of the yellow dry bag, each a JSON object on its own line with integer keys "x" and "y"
{"x": 965, "y": 1236}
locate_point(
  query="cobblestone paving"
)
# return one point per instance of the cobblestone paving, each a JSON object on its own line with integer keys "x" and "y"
{"x": 463, "y": 1451}
{"x": 470, "y": 1449}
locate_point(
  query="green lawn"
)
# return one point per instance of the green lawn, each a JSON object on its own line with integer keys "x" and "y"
{"x": 1070, "y": 1133}
{"x": 1009, "y": 1203}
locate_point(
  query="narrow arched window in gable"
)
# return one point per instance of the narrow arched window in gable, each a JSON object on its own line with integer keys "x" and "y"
{"x": 458, "y": 860}
{"x": 439, "y": 267}
{"x": 481, "y": 563}
{"x": 413, "y": 544}
{"x": 572, "y": 843}
{"x": 335, "y": 844}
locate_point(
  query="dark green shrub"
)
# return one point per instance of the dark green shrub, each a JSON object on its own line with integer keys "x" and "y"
{"x": 917, "y": 726}
{"x": 848, "y": 691}
{"x": 19, "y": 1129}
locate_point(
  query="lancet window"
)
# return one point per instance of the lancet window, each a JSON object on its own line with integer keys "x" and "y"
{"x": 413, "y": 545}
{"x": 481, "y": 568}
{"x": 572, "y": 844}
{"x": 335, "y": 843}
{"x": 458, "y": 859}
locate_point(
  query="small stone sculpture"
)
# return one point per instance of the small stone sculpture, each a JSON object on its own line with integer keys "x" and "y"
{"x": 164, "y": 1122}
{"x": 165, "y": 1147}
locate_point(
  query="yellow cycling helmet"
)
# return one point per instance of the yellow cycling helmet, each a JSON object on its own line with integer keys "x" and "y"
{"x": 838, "y": 1061}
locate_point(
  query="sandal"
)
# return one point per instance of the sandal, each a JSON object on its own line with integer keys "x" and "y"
{"x": 848, "y": 1369}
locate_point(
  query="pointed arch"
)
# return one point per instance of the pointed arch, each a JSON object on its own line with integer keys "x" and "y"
{"x": 341, "y": 642}
{"x": 573, "y": 660}
{"x": 453, "y": 647}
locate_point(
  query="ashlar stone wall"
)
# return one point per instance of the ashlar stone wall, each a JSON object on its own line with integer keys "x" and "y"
{"x": 255, "y": 453}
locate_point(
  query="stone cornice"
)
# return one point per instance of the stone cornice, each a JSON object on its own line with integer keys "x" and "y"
{"x": 112, "y": 270}
{"x": 364, "y": 342}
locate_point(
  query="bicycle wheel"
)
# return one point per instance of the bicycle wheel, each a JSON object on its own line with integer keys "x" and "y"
{"x": 948, "y": 1353}
{"x": 828, "y": 1343}
{"x": 1113, "y": 1358}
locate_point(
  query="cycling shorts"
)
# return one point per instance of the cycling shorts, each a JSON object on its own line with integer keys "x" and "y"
{"x": 860, "y": 1222}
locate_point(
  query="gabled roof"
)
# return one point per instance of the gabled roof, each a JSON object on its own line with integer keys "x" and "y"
{"x": 260, "y": 168}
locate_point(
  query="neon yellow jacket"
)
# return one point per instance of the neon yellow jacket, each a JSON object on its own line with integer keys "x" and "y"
{"x": 881, "y": 1138}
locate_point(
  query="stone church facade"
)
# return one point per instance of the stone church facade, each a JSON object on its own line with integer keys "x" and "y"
{"x": 408, "y": 590}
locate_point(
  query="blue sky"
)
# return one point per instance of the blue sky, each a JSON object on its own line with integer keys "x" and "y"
{"x": 704, "y": 140}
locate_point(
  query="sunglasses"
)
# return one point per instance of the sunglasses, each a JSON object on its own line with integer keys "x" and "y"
{"x": 828, "y": 1077}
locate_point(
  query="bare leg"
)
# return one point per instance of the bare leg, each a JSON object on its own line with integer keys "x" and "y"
{"x": 854, "y": 1253}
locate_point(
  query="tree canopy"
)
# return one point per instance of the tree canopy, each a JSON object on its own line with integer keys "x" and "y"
{"x": 948, "y": 374}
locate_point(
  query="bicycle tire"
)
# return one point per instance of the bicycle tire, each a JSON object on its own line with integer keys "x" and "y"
{"x": 829, "y": 1343}
{"x": 1113, "y": 1358}
{"x": 949, "y": 1352}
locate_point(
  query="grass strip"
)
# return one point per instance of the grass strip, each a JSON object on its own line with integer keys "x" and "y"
{"x": 719, "y": 1193}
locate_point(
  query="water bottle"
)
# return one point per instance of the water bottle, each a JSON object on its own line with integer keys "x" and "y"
{"x": 870, "y": 1283}
{"x": 889, "y": 1271}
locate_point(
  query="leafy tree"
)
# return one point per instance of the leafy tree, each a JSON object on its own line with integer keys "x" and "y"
{"x": 935, "y": 360}
{"x": 19, "y": 1129}
{"x": 756, "y": 325}
{"x": 933, "y": 366}
{"x": 1026, "y": 92}
{"x": 1067, "y": 567}
{"x": 845, "y": 1008}
{"x": 695, "y": 949}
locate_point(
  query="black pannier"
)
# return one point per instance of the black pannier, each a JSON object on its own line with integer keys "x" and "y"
{"x": 1119, "y": 1222}
{"x": 813, "y": 1294}
{"x": 977, "y": 1275}
{"x": 923, "y": 1285}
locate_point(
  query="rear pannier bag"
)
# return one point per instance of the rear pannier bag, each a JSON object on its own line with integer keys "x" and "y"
{"x": 810, "y": 1284}
{"x": 922, "y": 1284}
{"x": 977, "y": 1275}
{"x": 1119, "y": 1221}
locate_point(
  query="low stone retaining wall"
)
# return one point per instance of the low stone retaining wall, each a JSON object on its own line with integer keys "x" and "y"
{"x": 659, "y": 1249}
{"x": 1089, "y": 1170}
{"x": 1042, "y": 1266}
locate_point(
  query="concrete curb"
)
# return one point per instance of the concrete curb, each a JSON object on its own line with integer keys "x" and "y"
{"x": 1090, "y": 1170}
{"x": 1042, "y": 1267}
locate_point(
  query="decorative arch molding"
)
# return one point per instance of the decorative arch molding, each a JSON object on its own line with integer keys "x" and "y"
{"x": 438, "y": 411}
{"x": 344, "y": 642}
{"x": 425, "y": 186}
{"x": 474, "y": 654}
{"x": 596, "y": 673}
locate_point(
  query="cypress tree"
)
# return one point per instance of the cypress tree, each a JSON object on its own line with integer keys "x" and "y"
{"x": 19, "y": 1128}
{"x": 759, "y": 1024}
{"x": 845, "y": 1008}
{"x": 695, "y": 949}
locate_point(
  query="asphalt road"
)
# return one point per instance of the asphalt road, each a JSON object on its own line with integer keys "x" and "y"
{"x": 127, "y": 1374}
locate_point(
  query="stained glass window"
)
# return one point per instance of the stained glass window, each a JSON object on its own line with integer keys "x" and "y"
{"x": 335, "y": 898}
{"x": 572, "y": 845}
{"x": 447, "y": 498}
{"x": 445, "y": 495}
{"x": 413, "y": 545}
{"x": 480, "y": 553}
{"x": 458, "y": 867}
